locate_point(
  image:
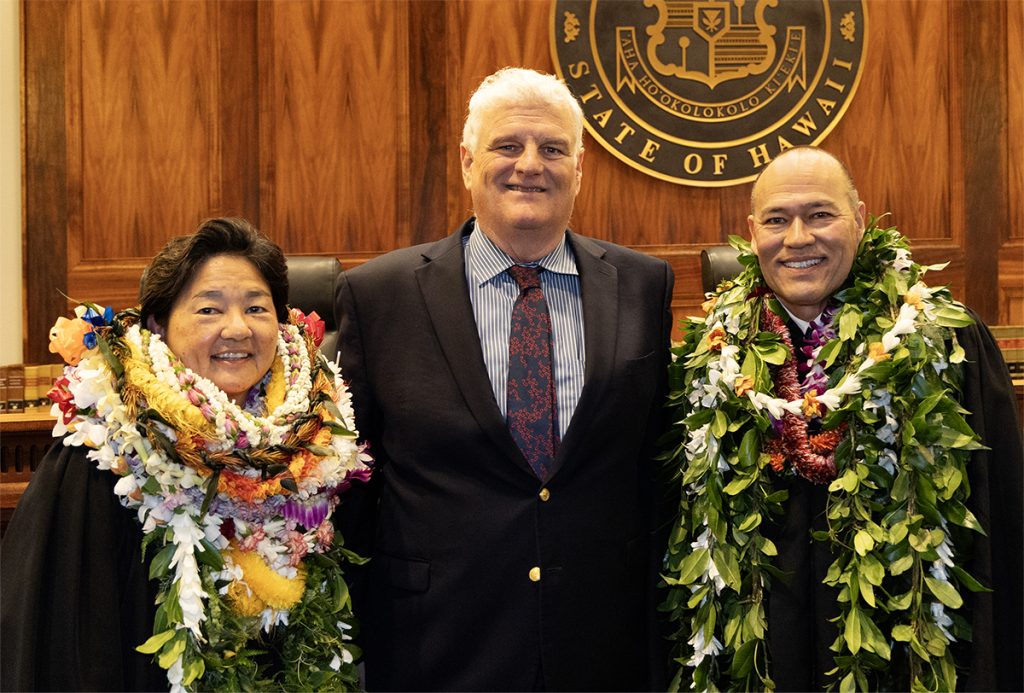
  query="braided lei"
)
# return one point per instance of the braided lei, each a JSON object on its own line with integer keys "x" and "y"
{"x": 235, "y": 505}
{"x": 870, "y": 408}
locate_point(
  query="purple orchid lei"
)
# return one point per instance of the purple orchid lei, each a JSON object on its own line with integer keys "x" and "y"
{"x": 812, "y": 373}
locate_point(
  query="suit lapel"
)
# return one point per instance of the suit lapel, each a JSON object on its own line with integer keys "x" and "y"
{"x": 599, "y": 287}
{"x": 442, "y": 281}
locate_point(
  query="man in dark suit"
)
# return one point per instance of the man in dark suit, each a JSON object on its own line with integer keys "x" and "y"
{"x": 497, "y": 565}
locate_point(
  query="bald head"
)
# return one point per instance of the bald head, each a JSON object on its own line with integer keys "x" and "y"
{"x": 808, "y": 154}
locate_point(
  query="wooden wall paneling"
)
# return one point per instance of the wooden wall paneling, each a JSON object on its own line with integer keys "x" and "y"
{"x": 237, "y": 90}
{"x": 148, "y": 140}
{"x": 980, "y": 44}
{"x": 45, "y": 242}
{"x": 958, "y": 191}
{"x": 629, "y": 207}
{"x": 734, "y": 208}
{"x": 1011, "y": 255}
{"x": 1015, "y": 118}
{"x": 896, "y": 136}
{"x": 335, "y": 127}
{"x": 160, "y": 133}
{"x": 152, "y": 135}
{"x": 898, "y": 126}
{"x": 433, "y": 160}
{"x": 334, "y": 135}
{"x": 1011, "y": 286}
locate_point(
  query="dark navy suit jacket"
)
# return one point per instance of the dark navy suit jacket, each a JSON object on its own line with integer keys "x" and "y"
{"x": 455, "y": 520}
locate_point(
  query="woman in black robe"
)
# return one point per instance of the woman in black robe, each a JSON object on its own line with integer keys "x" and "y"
{"x": 75, "y": 597}
{"x": 79, "y": 593}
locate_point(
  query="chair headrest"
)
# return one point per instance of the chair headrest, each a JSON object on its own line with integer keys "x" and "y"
{"x": 311, "y": 281}
{"x": 717, "y": 263}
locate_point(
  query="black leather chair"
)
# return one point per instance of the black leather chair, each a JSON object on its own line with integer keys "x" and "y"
{"x": 717, "y": 263}
{"x": 311, "y": 280}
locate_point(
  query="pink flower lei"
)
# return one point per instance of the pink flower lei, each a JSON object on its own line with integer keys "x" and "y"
{"x": 813, "y": 457}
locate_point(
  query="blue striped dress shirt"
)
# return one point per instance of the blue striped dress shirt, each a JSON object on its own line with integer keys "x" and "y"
{"x": 493, "y": 292}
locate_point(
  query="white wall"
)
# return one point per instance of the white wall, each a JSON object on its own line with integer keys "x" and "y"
{"x": 11, "y": 302}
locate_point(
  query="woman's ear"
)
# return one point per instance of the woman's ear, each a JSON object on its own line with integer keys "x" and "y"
{"x": 153, "y": 326}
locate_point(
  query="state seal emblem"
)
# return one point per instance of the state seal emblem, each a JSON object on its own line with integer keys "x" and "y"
{"x": 706, "y": 92}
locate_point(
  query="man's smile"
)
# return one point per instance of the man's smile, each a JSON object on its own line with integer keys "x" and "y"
{"x": 803, "y": 264}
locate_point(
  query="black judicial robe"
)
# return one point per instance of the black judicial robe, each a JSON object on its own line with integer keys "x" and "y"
{"x": 799, "y": 607}
{"x": 75, "y": 599}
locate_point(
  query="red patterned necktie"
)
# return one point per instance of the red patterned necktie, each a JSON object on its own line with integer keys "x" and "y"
{"x": 531, "y": 387}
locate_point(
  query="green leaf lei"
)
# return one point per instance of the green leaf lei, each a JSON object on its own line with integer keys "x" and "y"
{"x": 895, "y": 508}
{"x": 240, "y": 656}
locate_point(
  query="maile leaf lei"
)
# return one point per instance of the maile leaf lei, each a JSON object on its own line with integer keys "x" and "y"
{"x": 897, "y": 500}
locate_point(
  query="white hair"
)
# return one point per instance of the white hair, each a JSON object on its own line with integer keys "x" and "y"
{"x": 521, "y": 87}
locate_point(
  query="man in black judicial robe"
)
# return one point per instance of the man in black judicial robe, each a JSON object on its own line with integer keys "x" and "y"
{"x": 799, "y": 607}
{"x": 805, "y": 226}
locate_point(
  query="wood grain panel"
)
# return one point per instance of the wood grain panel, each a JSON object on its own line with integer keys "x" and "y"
{"x": 334, "y": 125}
{"x": 897, "y": 125}
{"x": 145, "y": 71}
{"x": 334, "y": 146}
{"x": 1015, "y": 118}
{"x": 980, "y": 44}
{"x": 46, "y": 194}
{"x": 237, "y": 104}
{"x": 1011, "y": 255}
{"x": 1011, "y": 288}
{"x": 433, "y": 164}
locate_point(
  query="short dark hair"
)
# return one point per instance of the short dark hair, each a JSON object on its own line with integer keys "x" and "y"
{"x": 179, "y": 260}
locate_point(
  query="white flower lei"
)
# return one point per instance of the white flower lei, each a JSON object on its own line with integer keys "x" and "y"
{"x": 172, "y": 499}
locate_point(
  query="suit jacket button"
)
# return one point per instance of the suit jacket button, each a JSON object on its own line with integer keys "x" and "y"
{"x": 535, "y": 574}
{"x": 545, "y": 494}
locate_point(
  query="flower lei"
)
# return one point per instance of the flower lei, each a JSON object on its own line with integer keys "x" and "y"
{"x": 881, "y": 384}
{"x": 235, "y": 505}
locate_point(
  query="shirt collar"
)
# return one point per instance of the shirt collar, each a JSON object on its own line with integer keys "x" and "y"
{"x": 802, "y": 324}
{"x": 485, "y": 260}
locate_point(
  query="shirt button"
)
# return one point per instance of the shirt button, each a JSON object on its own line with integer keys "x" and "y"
{"x": 545, "y": 494}
{"x": 535, "y": 574}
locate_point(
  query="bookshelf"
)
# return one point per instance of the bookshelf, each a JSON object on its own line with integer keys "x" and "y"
{"x": 25, "y": 437}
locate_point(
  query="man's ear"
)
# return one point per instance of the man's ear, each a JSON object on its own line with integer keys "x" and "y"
{"x": 750, "y": 230}
{"x": 861, "y": 216}
{"x": 153, "y": 326}
{"x": 466, "y": 157}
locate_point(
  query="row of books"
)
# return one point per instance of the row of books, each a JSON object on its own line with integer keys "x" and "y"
{"x": 1011, "y": 342}
{"x": 23, "y": 387}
